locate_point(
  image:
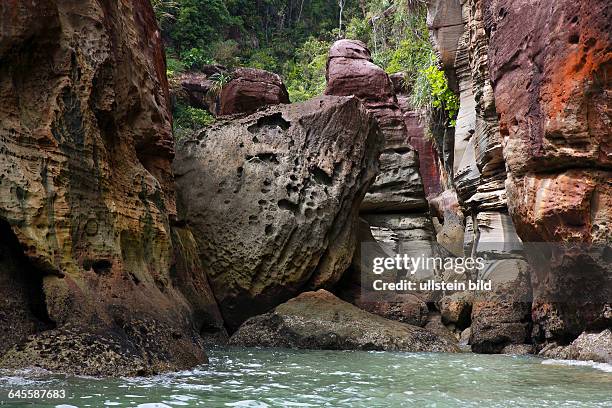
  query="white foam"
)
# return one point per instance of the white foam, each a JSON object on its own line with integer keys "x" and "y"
{"x": 593, "y": 364}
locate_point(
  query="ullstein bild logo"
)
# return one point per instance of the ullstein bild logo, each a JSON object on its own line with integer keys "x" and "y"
{"x": 490, "y": 267}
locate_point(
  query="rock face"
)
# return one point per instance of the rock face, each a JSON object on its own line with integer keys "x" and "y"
{"x": 588, "y": 346}
{"x": 273, "y": 199}
{"x": 552, "y": 88}
{"x": 251, "y": 89}
{"x": 87, "y": 199}
{"x": 540, "y": 171}
{"x": 319, "y": 320}
{"x": 395, "y": 206}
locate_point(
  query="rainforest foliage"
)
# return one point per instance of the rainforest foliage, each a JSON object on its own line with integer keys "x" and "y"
{"x": 292, "y": 37}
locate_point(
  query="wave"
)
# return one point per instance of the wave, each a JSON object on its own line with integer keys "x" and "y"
{"x": 593, "y": 364}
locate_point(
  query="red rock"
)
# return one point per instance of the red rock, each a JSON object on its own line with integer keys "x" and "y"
{"x": 551, "y": 68}
{"x": 429, "y": 162}
{"x": 251, "y": 89}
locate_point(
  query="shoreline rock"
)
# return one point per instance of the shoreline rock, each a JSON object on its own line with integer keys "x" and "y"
{"x": 319, "y": 320}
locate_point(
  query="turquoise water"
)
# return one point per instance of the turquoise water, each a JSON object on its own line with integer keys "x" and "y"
{"x": 288, "y": 378}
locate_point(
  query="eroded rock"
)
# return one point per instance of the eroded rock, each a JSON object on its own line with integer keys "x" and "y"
{"x": 319, "y": 320}
{"x": 87, "y": 192}
{"x": 273, "y": 199}
{"x": 250, "y": 89}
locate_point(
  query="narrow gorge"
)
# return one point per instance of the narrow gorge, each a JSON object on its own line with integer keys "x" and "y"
{"x": 129, "y": 248}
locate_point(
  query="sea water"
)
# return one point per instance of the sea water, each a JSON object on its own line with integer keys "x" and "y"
{"x": 238, "y": 377}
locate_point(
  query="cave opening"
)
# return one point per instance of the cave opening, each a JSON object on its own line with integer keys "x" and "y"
{"x": 21, "y": 283}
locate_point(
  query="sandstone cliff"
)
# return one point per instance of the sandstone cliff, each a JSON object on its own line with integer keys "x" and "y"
{"x": 532, "y": 158}
{"x": 93, "y": 268}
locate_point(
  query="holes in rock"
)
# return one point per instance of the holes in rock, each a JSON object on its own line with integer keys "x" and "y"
{"x": 99, "y": 266}
{"x": 288, "y": 205}
{"x": 239, "y": 171}
{"x": 269, "y": 229}
{"x": 320, "y": 176}
{"x": 574, "y": 38}
{"x": 263, "y": 157}
{"x": 574, "y": 20}
{"x": 23, "y": 281}
{"x": 270, "y": 121}
{"x": 502, "y": 13}
{"x": 291, "y": 189}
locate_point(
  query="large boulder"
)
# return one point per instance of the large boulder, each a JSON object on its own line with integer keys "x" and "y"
{"x": 319, "y": 320}
{"x": 273, "y": 199}
{"x": 551, "y": 69}
{"x": 89, "y": 265}
{"x": 251, "y": 89}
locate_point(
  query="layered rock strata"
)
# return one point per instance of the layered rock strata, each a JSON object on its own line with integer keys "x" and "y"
{"x": 395, "y": 206}
{"x": 90, "y": 259}
{"x": 552, "y": 86}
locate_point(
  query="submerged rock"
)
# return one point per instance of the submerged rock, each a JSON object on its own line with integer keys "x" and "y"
{"x": 273, "y": 199}
{"x": 319, "y": 320}
{"x": 87, "y": 205}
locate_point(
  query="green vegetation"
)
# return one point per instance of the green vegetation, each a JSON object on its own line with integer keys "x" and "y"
{"x": 188, "y": 118}
{"x": 292, "y": 37}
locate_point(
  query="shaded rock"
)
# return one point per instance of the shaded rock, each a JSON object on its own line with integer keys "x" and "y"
{"x": 518, "y": 349}
{"x": 502, "y": 316}
{"x": 273, "y": 199}
{"x": 319, "y": 320}
{"x": 251, "y": 89}
{"x": 435, "y": 325}
{"x": 432, "y": 175}
{"x": 457, "y": 309}
{"x": 588, "y": 346}
{"x": 398, "y": 186}
{"x": 398, "y": 80}
{"x": 87, "y": 192}
{"x": 193, "y": 89}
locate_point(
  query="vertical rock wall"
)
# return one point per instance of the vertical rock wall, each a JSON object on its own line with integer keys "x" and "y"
{"x": 551, "y": 69}
{"x": 532, "y": 156}
{"x": 86, "y": 194}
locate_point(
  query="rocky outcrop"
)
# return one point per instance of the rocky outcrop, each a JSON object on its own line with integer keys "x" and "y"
{"x": 273, "y": 199}
{"x": 319, "y": 320}
{"x": 588, "y": 346}
{"x": 193, "y": 89}
{"x": 552, "y": 88}
{"x": 250, "y": 89}
{"x": 87, "y": 205}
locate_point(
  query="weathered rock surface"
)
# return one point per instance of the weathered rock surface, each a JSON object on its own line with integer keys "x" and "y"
{"x": 588, "y": 346}
{"x": 273, "y": 199}
{"x": 193, "y": 89}
{"x": 319, "y": 320}
{"x": 398, "y": 186}
{"x": 87, "y": 196}
{"x": 457, "y": 309}
{"x": 502, "y": 317}
{"x": 251, "y": 89}
{"x": 552, "y": 85}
